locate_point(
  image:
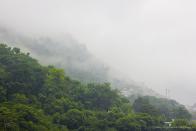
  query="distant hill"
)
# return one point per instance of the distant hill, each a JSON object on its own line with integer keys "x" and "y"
{"x": 74, "y": 57}
{"x": 42, "y": 98}
{"x": 156, "y": 106}
{"x": 34, "y": 97}
{"x": 192, "y": 110}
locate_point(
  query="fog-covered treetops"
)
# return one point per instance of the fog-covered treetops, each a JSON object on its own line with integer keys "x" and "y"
{"x": 36, "y": 97}
{"x": 67, "y": 53}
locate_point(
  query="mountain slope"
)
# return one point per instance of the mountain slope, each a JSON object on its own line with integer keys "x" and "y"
{"x": 70, "y": 55}
{"x": 36, "y": 97}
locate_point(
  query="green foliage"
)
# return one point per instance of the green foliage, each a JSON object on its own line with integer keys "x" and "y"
{"x": 98, "y": 96}
{"x": 73, "y": 119}
{"x": 180, "y": 123}
{"x": 142, "y": 105}
{"x": 169, "y": 109}
{"x": 3, "y": 93}
{"x": 8, "y": 120}
{"x": 193, "y": 124}
{"x": 38, "y": 98}
{"x": 18, "y": 116}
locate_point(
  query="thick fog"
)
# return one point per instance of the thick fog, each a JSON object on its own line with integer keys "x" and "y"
{"x": 149, "y": 41}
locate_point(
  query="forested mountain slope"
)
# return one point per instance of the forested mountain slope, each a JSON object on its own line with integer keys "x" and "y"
{"x": 170, "y": 109}
{"x": 34, "y": 97}
{"x": 41, "y": 98}
{"x": 68, "y": 54}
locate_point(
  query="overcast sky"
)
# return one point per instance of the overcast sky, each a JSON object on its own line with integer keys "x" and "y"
{"x": 151, "y": 41}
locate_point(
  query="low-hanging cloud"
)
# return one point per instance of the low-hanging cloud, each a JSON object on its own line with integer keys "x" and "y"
{"x": 148, "y": 40}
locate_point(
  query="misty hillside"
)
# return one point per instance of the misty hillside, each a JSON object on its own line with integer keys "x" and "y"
{"x": 192, "y": 110}
{"x": 42, "y": 98}
{"x": 69, "y": 54}
{"x": 66, "y": 53}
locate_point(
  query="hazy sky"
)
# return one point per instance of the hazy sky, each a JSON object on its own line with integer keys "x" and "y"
{"x": 151, "y": 41}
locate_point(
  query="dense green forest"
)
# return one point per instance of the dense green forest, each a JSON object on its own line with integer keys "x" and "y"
{"x": 39, "y": 98}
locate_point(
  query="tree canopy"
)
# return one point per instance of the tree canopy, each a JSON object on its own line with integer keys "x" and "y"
{"x": 35, "y": 97}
